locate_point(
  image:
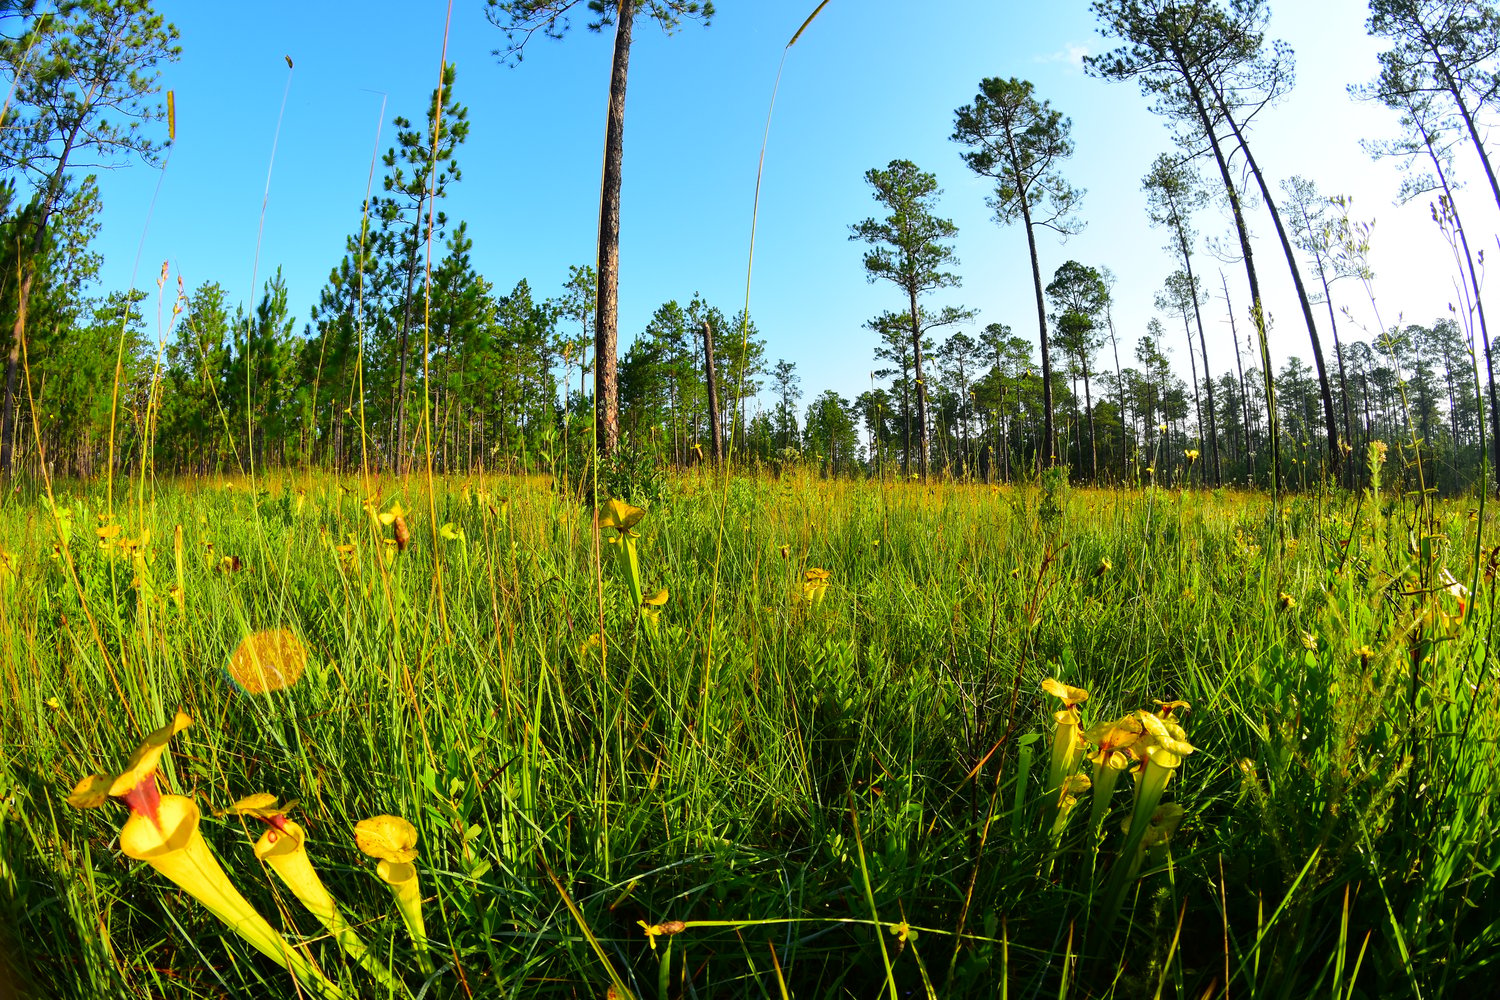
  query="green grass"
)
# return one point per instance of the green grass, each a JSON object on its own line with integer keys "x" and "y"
{"x": 837, "y": 799}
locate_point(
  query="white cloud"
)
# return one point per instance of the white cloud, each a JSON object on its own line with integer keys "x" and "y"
{"x": 1072, "y": 53}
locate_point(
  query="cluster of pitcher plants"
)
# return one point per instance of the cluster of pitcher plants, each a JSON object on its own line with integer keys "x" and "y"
{"x": 163, "y": 831}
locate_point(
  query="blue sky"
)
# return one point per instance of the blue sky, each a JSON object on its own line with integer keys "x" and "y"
{"x": 871, "y": 80}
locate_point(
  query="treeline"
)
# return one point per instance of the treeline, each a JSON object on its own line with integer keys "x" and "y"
{"x": 410, "y": 352}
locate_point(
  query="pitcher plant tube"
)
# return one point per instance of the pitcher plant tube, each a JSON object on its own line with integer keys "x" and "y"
{"x": 283, "y": 847}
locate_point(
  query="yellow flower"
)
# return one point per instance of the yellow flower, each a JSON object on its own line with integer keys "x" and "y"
{"x": 667, "y": 929}
{"x": 135, "y": 546}
{"x": 91, "y": 792}
{"x": 1191, "y": 454}
{"x": 1455, "y": 590}
{"x": 1111, "y": 737}
{"x": 451, "y": 532}
{"x": 1164, "y": 734}
{"x": 1072, "y": 788}
{"x": 1111, "y": 758}
{"x": 623, "y": 518}
{"x": 388, "y": 517}
{"x": 1287, "y": 601}
{"x": 163, "y": 832}
{"x": 591, "y": 648}
{"x": 261, "y": 806}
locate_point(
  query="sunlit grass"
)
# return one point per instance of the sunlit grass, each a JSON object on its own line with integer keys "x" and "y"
{"x": 849, "y": 795}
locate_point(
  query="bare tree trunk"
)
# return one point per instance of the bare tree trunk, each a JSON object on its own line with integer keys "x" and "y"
{"x": 1484, "y": 331}
{"x": 1451, "y": 85}
{"x": 1088, "y": 405}
{"x": 8, "y": 406}
{"x": 13, "y": 361}
{"x": 716, "y": 434}
{"x": 1245, "y": 426}
{"x": 1208, "y": 379}
{"x": 1256, "y": 309}
{"x": 1335, "y": 456}
{"x": 606, "y": 318}
{"x": 1119, "y": 391}
{"x": 916, "y": 348}
{"x": 1046, "y": 456}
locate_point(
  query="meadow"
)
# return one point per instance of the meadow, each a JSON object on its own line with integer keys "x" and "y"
{"x": 807, "y": 747}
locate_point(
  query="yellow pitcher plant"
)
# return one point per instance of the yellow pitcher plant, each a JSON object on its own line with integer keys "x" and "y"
{"x": 1111, "y": 757}
{"x": 622, "y": 518}
{"x": 814, "y": 585}
{"x": 652, "y": 607}
{"x": 1067, "y": 741}
{"x": 1160, "y": 750}
{"x": 283, "y": 848}
{"x": 393, "y": 841}
{"x": 163, "y": 832}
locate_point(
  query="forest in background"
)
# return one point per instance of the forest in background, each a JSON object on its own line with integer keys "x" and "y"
{"x": 410, "y": 351}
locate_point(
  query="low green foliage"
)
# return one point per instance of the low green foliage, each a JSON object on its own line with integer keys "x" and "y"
{"x": 808, "y": 747}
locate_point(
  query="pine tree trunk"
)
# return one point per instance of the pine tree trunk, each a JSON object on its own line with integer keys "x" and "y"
{"x": 1474, "y": 285}
{"x": 606, "y": 316}
{"x": 716, "y": 435}
{"x": 1330, "y": 423}
{"x": 1208, "y": 379}
{"x": 8, "y": 405}
{"x": 1451, "y": 86}
{"x": 1046, "y": 457}
{"x": 1193, "y": 364}
{"x": 1114, "y": 343}
{"x": 1088, "y": 405}
{"x": 916, "y": 348}
{"x": 1246, "y": 428}
{"x": 12, "y": 364}
{"x": 1257, "y": 311}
